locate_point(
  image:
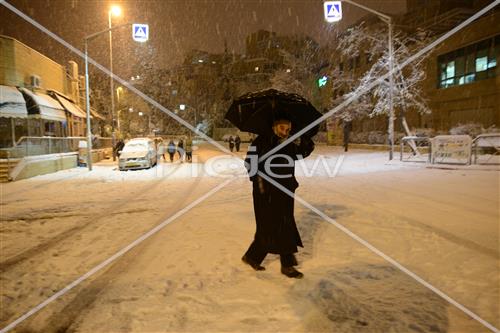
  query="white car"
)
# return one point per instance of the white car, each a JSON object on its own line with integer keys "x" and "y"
{"x": 138, "y": 154}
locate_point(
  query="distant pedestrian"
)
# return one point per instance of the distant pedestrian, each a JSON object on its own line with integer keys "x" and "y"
{"x": 347, "y": 128}
{"x": 237, "y": 142}
{"x": 231, "y": 143}
{"x": 189, "y": 149}
{"x": 119, "y": 147}
{"x": 159, "y": 147}
{"x": 180, "y": 149}
{"x": 171, "y": 150}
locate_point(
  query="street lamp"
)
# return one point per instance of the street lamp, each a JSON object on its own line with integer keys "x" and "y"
{"x": 87, "y": 92}
{"x": 387, "y": 19}
{"x": 114, "y": 11}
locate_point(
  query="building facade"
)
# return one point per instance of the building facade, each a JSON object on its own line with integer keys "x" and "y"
{"x": 48, "y": 92}
{"x": 462, "y": 76}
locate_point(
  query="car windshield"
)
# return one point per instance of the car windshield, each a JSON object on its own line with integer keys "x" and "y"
{"x": 135, "y": 146}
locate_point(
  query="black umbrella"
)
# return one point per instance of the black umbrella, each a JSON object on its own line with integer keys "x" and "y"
{"x": 255, "y": 112}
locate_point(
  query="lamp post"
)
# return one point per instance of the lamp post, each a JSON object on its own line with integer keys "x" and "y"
{"x": 119, "y": 92}
{"x": 87, "y": 91}
{"x": 114, "y": 11}
{"x": 387, "y": 19}
{"x": 87, "y": 108}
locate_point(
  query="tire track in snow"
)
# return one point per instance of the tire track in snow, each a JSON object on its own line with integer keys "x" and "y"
{"x": 83, "y": 224}
{"x": 62, "y": 320}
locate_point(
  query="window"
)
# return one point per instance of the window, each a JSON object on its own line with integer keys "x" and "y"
{"x": 469, "y": 64}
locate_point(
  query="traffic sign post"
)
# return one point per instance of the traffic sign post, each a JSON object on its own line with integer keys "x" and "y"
{"x": 333, "y": 11}
{"x": 140, "y": 32}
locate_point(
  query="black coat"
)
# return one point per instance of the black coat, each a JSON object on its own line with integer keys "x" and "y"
{"x": 276, "y": 229}
{"x": 171, "y": 147}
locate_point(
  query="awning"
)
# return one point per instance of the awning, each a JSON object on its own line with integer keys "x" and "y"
{"x": 42, "y": 104}
{"x": 70, "y": 106}
{"x": 12, "y": 104}
{"x": 96, "y": 114}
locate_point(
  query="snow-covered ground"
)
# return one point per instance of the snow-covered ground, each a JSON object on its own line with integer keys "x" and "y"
{"x": 443, "y": 225}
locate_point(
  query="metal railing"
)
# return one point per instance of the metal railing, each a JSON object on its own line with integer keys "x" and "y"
{"x": 43, "y": 145}
{"x": 487, "y": 143}
{"x": 420, "y": 143}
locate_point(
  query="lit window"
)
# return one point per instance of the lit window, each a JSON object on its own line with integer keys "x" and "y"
{"x": 492, "y": 62}
{"x": 257, "y": 68}
{"x": 470, "y": 78}
{"x": 450, "y": 69}
{"x": 481, "y": 64}
{"x": 469, "y": 64}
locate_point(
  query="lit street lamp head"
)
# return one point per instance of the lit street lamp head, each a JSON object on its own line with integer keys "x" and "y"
{"x": 115, "y": 10}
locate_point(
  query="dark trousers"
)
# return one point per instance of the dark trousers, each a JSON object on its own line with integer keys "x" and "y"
{"x": 257, "y": 255}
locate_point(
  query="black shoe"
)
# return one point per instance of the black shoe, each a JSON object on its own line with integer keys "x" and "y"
{"x": 291, "y": 272}
{"x": 254, "y": 265}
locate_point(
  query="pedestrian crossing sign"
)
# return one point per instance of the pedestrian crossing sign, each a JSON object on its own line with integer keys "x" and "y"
{"x": 140, "y": 32}
{"x": 333, "y": 11}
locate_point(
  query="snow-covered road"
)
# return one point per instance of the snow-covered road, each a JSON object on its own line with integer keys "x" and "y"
{"x": 442, "y": 225}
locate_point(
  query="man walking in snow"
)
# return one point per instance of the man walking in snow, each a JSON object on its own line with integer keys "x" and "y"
{"x": 189, "y": 149}
{"x": 171, "y": 150}
{"x": 180, "y": 149}
{"x": 276, "y": 229}
{"x": 231, "y": 143}
{"x": 347, "y": 127}
{"x": 237, "y": 142}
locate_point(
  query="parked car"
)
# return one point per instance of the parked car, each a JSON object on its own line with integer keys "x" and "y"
{"x": 138, "y": 153}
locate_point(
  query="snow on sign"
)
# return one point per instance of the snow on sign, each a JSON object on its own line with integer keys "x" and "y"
{"x": 333, "y": 11}
{"x": 451, "y": 149}
{"x": 140, "y": 32}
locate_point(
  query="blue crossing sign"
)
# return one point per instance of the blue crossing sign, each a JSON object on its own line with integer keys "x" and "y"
{"x": 140, "y": 32}
{"x": 333, "y": 11}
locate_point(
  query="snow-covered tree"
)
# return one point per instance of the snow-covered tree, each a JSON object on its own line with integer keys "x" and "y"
{"x": 297, "y": 71}
{"x": 285, "y": 81}
{"x": 344, "y": 85}
{"x": 371, "y": 43}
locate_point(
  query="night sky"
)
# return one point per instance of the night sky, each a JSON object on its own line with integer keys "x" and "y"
{"x": 176, "y": 26}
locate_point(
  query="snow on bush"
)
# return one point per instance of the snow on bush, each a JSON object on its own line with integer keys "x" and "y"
{"x": 472, "y": 129}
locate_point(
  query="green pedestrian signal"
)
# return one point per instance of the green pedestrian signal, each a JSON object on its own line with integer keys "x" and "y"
{"x": 322, "y": 81}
